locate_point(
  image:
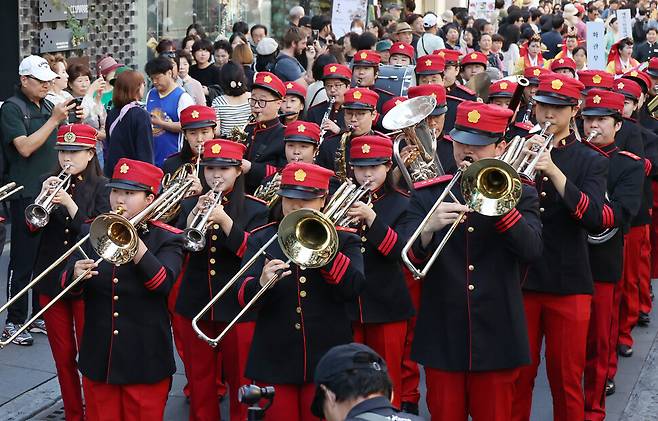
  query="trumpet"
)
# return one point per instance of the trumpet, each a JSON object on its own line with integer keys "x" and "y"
{"x": 9, "y": 189}
{"x": 113, "y": 237}
{"x": 38, "y": 213}
{"x": 195, "y": 235}
{"x": 307, "y": 237}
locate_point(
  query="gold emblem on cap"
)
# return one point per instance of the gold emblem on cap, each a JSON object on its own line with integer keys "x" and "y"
{"x": 289, "y": 86}
{"x": 267, "y": 79}
{"x": 428, "y": 62}
{"x": 433, "y": 95}
{"x": 333, "y": 69}
{"x": 561, "y": 61}
{"x": 357, "y": 95}
{"x": 216, "y": 148}
{"x": 596, "y": 99}
{"x": 442, "y": 53}
{"x": 365, "y": 148}
{"x": 301, "y": 128}
{"x": 194, "y": 114}
{"x": 300, "y": 175}
{"x": 503, "y": 85}
{"x": 474, "y": 56}
{"x": 69, "y": 137}
{"x": 536, "y": 72}
{"x": 124, "y": 168}
{"x": 473, "y": 116}
{"x": 364, "y": 55}
{"x": 597, "y": 79}
{"x": 620, "y": 85}
{"x": 634, "y": 73}
{"x": 398, "y": 102}
{"x": 557, "y": 84}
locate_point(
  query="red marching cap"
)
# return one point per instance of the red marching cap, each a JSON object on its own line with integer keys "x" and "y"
{"x": 336, "y": 71}
{"x": 532, "y": 74}
{"x": 294, "y": 88}
{"x": 270, "y": 82}
{"x": 558, "y": 89}
{"x": 75, "y": 137}
{"x": 563, "y": 63}
{"x": 222, "y": 153}
{"x": 475, "y": 57}
{"x": 403, "y": 48}
{"x": 640, "y": 77}
{"x": 360, "y": 98}
{"x": 652, "y": 69}
{"x": 430, "y": 65}
{"x": 502, "y": 89}
{"x": 370, "y": 150}
{"x": 130, "y": 174}
{"x": 629, "y": 88}
{"x": 366, "y": 58}
{"x": 433, "y": 90}
{"x": 197, "y": 116}
{"x": 388, "y": 105}
{"x": 480, "y": 124}
{"x": 300, "y": 180}
{"x": 450, "y": 56}
{"x": 601, "y": 102}
{"x": 302, "y": 131}
{"x": 596, "y": 79}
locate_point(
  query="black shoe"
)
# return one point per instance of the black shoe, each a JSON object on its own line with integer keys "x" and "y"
{"x": 610, "y": 387}
{"x": 624, "y": 350}
{"x": 409, "y": 408}
{"x": 644, "y": 319}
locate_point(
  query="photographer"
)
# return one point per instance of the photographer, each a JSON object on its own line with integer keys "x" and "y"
{"x": 352, "y": 384}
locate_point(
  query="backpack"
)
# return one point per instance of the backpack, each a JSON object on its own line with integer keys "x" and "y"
{"x": 27, "y": 116}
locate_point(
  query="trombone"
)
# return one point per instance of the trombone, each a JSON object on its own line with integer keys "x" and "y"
{"x": 307, "y": 237}
{"x": 113, "y": 237}
{"x": 194, "y": 236}
{"x": 38, "y": 213}
{"x": 9, "y": 189}
{"x": 491, "y": 187}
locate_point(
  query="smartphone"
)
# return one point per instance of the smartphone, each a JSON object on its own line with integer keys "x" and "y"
{"x": 72, "y": 117}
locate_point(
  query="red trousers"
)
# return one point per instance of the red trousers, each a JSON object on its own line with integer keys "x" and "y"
{"x": 484, "y": 395}
{"x": 292, "y": 402}
{"x": 387, "y": 339}
{"x": 635, "y": 280}
{"x": 127, "y": 402}
{"x": 410, "y": 376}
{"x": 654, "y": 231}
{"x": 563, "y": 320}
{"x": 614, "y": 329}
{"x": 598, "y": 350}
{"x": 204, "y": 365}
{"x": 64, "y": 322}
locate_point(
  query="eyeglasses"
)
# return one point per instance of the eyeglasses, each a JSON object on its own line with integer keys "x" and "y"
{"x": 262, "y": 103}
{"x": 38, "y": 80}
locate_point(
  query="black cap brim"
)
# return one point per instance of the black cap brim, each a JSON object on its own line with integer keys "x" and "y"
{"x": 199, "y": 125}
{"x": 128, "y": 185}
{"x": 429, "y": 73}
{"x": 437, "y": 111}
{"x": 501, "y": 95}
{"x": 533, "y": 81}
{"x": 65, "y": 147}
{"x": 300, "y": 139}
{"x": 554, "y": 100}
{"x": 472, "y": 138}
{"x": 220, "y": 162}
{"x": 294, "y": 193}
{"x": 652, "y": 72}
{"x": 365, "y": 64}
{"x": 599, "y": 112}
{"x": 358, "y": 106}
{"x": 366, "y": 162}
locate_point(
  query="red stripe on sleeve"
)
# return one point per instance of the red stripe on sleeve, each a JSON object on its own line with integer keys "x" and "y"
{"x": 157, "y": 279}
{"x": 241, "y": 291}
{"x": 243, "y": 246}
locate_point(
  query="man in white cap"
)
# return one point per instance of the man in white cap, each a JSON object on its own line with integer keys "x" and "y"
{"x": 29, "y": 131}
{"x": 430, "y": 41}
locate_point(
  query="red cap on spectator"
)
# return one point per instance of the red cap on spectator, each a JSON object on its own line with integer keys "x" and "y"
{"x": 302, "y": 131}
{"x": 269, "y": 81}
{"x": 76, "y": 137}
{"x": 197, "y": 116}
{"x": 130, "y": 174}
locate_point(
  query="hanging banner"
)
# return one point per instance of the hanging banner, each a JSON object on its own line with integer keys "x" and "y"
{"x": 481, "y": 9}
{"x": 625, "y": 24}
{"x": 596, "y": 57}
{"x": 344, "y": 12}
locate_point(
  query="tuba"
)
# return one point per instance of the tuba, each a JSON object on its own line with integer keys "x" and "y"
{"x": 408, "y": 121}
{"x": 38, "y": 213}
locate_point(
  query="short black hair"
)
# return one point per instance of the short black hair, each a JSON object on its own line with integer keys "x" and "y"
{"x": 241, "y": 27}
{"x": 223, "y": 45}
{"x": 232, "y": 79}
{"x": 320, "y": 62}
{"x": 165, "y": 44}
{"x": 652, "y": 28}
{"x": 202, "y": 44}
{"x": 357, "y": 383}
{"x": 158, "y": 66}
{"x": 258, "y": 26}
{"x": 366, "y": 41}
{"x": 558, "y": 22}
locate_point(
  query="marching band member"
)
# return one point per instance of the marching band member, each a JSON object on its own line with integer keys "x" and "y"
{"x": 126, "y": 356}
{"x": 501, "y": 92}
{"x": 208, "y": 270}
{"x": 472, "y": 64}
{"x": 429, "y": 70}
{"x": 525, "y": 113}
{"x": 86, "y": 197}
{"x": 603, "y": 114}
{"x": 456, "y": 92}
{"x": 265, "y": 135}
{"x": 303, "y": 314}
{"x": 564, "y": 65}
{"x": 293, "y": 103}
{"x": 380, "y": 314}
{"x": 471, "y": 333}
{"x": 402, "y": 54}
{"x": 595, "y": 79}
{"x": 365, "y": 69}
{"x": 336, "y": 79}
{"x": 558, "y": 287}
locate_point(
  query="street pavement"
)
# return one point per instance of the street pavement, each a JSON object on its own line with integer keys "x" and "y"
{"x": 29, "y": 388}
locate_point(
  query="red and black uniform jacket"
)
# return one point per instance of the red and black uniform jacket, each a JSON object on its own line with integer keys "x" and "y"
{"x": 625, "y": 180}
{"x": 327, "y": 153}
{"x": 649, "y": 153}
{"x": 564, "y": 268}
{"x": 456, "y": 94}
{"x": 385, "y": 297}
{"x": 207, "y": 271}
{"x": 127, "y": 333}
{"x": 316, "y": 113}
{"x": 175, "y": 161}
{"x": 471, "y": 315}
{"x": 265, "y": 151}
{"x": 92, "y": 198}
{"x": 303, "y": 315}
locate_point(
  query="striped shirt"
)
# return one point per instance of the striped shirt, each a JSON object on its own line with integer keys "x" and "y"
{"x": 230, "y": 115}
